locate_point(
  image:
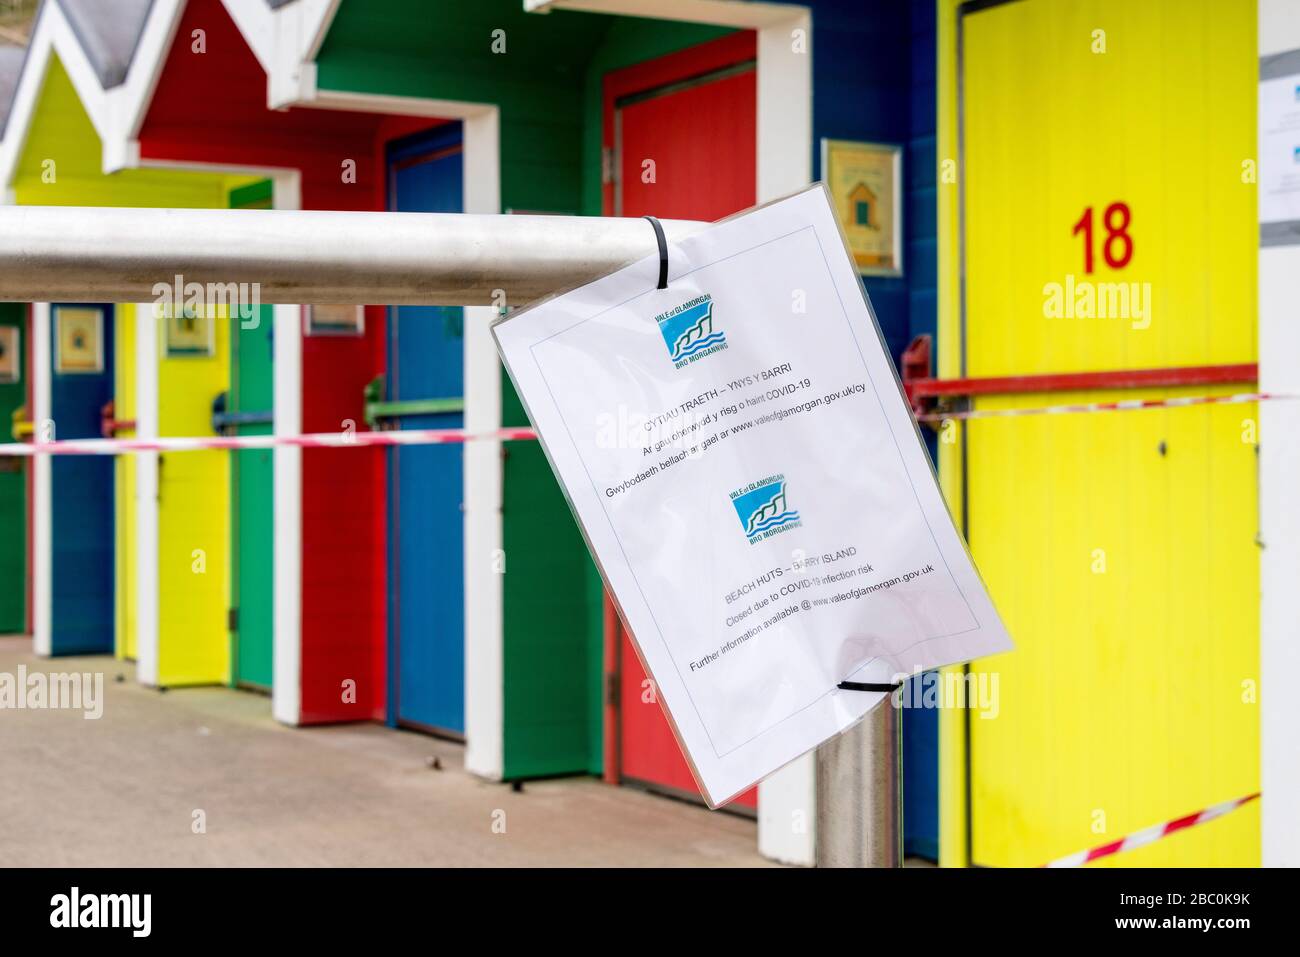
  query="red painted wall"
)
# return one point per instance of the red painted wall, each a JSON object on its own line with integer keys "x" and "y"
{"x": 210, "y": 107}
{"x": 702, "y": 140}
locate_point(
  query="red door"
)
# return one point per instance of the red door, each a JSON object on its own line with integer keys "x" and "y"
{"x": 680, "y": 131}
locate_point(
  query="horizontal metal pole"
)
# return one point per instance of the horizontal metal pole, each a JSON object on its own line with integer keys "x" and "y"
{"x": 71, "y": 254}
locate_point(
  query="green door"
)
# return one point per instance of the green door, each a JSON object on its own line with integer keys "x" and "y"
{"x": 248, "y": 412}
{"x": 13, "y": 474}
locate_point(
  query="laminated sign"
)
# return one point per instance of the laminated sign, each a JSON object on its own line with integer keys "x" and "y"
{"x": 739, "y": 454}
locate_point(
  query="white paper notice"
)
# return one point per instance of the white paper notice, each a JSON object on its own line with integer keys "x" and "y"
{"x": 1279, "y": 150}
{"x": 752, "y": 485}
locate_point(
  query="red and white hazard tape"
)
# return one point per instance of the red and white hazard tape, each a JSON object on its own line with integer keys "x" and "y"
{"x": 1151, "y": 834}
{"x": 319, "y": 440}
{"x": 1127, "y": 405}
{"x": 344, "y": 440}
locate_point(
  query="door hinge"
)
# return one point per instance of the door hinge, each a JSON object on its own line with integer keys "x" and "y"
{"x": 611, "y": 688}
{"x": 232, "y": 619}
{"x": 606, "y": 165}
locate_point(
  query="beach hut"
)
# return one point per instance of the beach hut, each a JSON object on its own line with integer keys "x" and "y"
{"x": 314, "y": 620}
{"x": 1129, "y": 698}
{"x": 88, "y": 360}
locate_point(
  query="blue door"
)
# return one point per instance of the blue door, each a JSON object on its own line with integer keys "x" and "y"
{"x": 81, "y": 494}
{"x": 425, "y": 387}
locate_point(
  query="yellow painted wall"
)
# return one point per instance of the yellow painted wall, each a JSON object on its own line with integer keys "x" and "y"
{"x": 952, "y": 722}
{"x": 1118, "y": 547}
{"x": 194, "y": 522}
{"x": 61, "y": 166}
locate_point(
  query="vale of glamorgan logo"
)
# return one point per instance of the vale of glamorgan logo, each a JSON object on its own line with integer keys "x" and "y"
{"x": 689, "y": 332}
{"x": 763, "y": 509}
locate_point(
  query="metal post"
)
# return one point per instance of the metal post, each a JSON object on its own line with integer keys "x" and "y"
{"x": 859, "y": 794}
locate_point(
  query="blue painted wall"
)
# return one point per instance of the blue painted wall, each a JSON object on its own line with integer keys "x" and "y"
{"x": 81, "y": 493}
{"x": 426, "y": 533}
{"x": 874, "y": 79}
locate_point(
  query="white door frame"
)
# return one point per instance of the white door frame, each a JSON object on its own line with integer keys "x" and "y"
{"x": 1279, "y": 519}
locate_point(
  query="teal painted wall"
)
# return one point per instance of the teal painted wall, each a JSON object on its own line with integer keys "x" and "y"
{"x": 252, "y": 485}
{"x": 13, "y": 489}
{"x": 548, "y": 85}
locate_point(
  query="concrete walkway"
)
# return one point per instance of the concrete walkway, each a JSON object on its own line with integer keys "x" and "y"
{"x": 123, "y": 791}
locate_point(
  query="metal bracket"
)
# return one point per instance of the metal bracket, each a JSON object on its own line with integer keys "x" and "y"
{"x": 226, "y": 423}
{"x": 380, "y": 412}
{"x": 109, "y": 425}
{"x": 21, "y": 427}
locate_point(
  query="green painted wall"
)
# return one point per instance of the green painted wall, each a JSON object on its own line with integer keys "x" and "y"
{"x": 13, "y": 486}
{"x": 547, "y": 84}
{"x": 252, "y": 492}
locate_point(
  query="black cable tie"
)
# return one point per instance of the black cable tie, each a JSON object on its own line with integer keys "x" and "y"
{"x": 867, "y": 686}
{"x": 663, "y": 252}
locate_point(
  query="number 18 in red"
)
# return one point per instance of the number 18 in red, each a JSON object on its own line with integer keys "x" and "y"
{"x": 1116, "y": 220}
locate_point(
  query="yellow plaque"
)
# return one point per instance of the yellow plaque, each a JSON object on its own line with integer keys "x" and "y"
{"x": 10, "y": 355}
{"x": 336, "y": 320}
{"x": 78, "y": 340}
{"x": 865, "y": 180}
{"x": 189, "y": 334}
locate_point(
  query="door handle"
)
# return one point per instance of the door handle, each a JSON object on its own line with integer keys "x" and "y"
{"x": 226, "y": 423}
{"x": 376, "y": 412}
{"x": 109, "y": 426}
{"x": 21, "y": 427}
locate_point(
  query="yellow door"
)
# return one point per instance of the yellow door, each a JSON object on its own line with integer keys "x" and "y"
{"x": 1108, "y": 226}
{"x": 194, "y": 509}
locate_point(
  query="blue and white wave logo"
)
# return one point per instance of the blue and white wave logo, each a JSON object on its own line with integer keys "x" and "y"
{"x": 763, "y": 508}
{"x": 689, "y": 332}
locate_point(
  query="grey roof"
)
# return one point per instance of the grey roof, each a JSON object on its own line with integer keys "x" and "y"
{"x": 109, "y": 31}
{"x": 11, "y": 67}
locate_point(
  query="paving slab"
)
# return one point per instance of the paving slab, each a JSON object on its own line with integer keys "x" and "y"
{"x": 123, "y": 791}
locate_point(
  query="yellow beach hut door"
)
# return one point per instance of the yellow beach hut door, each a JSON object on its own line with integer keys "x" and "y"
{"x": 193, "y": 501}
{"x": 1107, "y": 226}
